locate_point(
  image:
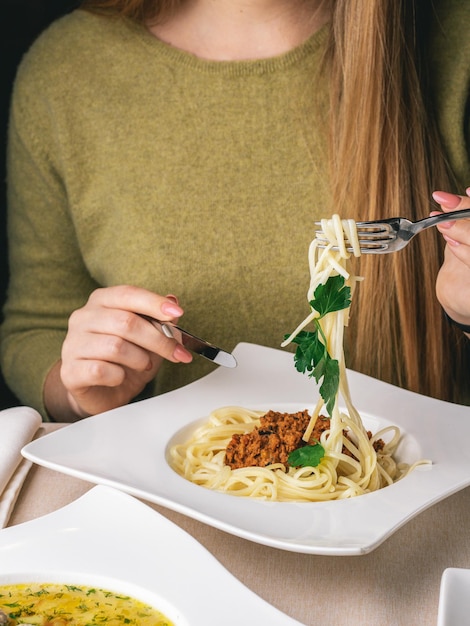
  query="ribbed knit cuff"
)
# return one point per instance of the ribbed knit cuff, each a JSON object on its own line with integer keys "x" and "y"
{"x": 464, "y": 327}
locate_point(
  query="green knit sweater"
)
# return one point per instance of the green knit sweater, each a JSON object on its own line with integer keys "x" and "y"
{"x": 132, "y": 162}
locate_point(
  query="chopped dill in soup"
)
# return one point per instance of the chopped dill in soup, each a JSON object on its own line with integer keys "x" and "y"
{"x": 46, "y": 604}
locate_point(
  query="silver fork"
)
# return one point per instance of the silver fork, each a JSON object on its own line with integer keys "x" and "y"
{"x": 390, "y": 235}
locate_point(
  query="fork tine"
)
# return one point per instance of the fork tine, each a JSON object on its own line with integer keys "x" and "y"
{"x": 366, "y": 248}
{"x": 367, "y": 234}
{"x": 373, "y": 237}
{"x": 363, "y": 238}
{"x": 365, "y": 229}
{"x": 373, "y": 230}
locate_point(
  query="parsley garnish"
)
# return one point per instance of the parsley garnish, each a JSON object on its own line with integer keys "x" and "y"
{"x": 307, "y": 456}
{"x": 311, "y": 354}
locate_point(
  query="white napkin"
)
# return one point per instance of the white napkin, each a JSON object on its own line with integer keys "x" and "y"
{"x": 18, "y": 426}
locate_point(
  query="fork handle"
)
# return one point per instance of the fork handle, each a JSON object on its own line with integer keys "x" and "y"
{"x": 427, "y": 222}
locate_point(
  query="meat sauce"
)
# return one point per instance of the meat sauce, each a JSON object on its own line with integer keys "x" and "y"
{"x": 275, "y": 438}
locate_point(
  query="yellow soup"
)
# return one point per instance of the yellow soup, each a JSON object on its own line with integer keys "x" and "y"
{"x": 60, "y": 605}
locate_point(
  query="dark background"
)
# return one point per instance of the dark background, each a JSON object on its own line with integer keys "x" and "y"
{"x": 21, "y": 21}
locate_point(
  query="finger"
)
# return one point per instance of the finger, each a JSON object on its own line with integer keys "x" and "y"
{"x": 456, "y": 232}
{"x": 177, "y": 350}
{"x": 137, "y": 300}
{"x": 83, "y": 374}
{"x": 458, "y": 249}
{"x": 451, "y": 201}
{"x": 94, "y": 320}
{"x": 119, "y": 337}
{"x": 143, "y": 302}
{"x": 81, "y": 370}
{"x": 106, "y": 347}
{"x": 116, "y": 389}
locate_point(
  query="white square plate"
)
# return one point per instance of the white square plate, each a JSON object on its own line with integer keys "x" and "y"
{"x": 127, "y": 448}
{"x": 110, "y": 540}
{"x": 454, "y": 598}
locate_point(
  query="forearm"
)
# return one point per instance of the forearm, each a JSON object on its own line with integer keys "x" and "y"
{"x": 48, "y": 278}
{"x": 27, "y": 357}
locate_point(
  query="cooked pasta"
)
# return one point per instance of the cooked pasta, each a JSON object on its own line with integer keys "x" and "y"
{"x": 202, "y": 461}
{"x": 353, "y": 463}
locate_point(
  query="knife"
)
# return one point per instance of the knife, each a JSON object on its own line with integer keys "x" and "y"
{"x": 193, "y": 343}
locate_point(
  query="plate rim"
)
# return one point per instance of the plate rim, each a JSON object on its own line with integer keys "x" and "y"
{"x": 139, "y": 532}
{"x": 450, "y": 579}
{"x": 395, "y": 506}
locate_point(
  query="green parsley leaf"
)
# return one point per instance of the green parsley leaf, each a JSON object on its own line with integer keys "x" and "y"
{"x": 307, "y": 456}
{"x": 311, "y": 355}
{"x": 309, "y": 352}
{"x": 329, "y": 387}
{"x": 332, "y": 296}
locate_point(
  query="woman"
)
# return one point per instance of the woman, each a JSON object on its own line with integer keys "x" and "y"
{"x": 187, "y": 147}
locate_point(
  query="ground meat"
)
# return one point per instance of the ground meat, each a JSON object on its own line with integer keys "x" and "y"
{"x": 275, "y": 438}
{"x": 272, "y": 442}
{"x": 377, "y": 445}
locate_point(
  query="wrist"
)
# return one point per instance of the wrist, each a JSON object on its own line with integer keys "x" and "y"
{"x": 58, "y": 402}
{"x": 77, "y": 413}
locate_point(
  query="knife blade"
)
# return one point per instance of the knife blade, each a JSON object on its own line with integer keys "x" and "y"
{"x": 194, "y": 344}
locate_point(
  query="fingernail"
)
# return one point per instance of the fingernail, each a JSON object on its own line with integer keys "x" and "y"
{"x": 446, "y": 224}
{"x": 172, "y": 297}
{"x": 171, "y": 308}
{"x": 182, "y": 355}
{"x": 450, "y": 200}
{"x": 451, "y": 242}
{"x": 467, "y": 191}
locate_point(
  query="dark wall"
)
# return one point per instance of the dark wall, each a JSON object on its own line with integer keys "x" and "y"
{"x": 21, "y": 21}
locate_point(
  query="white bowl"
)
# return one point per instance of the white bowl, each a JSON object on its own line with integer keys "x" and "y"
{"x": 110, "y": 540}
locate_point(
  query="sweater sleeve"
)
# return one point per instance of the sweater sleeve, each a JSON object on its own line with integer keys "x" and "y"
{"x": 48, "y": 279}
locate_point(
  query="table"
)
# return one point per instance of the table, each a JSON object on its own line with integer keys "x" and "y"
{"x": 396, "y": 584}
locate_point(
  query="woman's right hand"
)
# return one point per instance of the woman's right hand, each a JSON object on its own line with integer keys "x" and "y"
{"x": 453, "y": 281}
{"x": 111, "y": 352}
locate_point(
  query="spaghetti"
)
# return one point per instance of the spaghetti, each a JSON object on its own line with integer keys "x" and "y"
{"x": 352, "y": 463}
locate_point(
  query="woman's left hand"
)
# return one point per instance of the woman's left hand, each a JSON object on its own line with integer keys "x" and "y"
{"x": 453, "y": 281}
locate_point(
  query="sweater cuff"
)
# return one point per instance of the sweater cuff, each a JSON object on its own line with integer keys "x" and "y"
{"x": 464, "y": 327}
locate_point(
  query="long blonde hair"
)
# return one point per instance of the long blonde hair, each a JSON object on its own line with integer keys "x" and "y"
{"x": 386, "y": 159}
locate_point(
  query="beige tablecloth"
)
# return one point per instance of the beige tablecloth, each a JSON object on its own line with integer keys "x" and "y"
{"x": 397, "y": 584}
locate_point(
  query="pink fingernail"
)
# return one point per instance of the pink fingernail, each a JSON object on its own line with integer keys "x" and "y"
{"x": 171, "y": 308}
{"x": 467, "y": 191}
{"x": 172, "y": 297}
{"x": 446, "y": 224}
{"x": 450, "y": 200}
{"x": 451, "y": 242}
{"x": 182, "y": 355}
